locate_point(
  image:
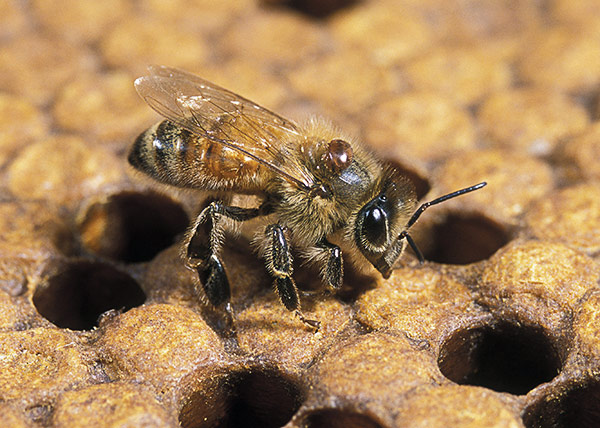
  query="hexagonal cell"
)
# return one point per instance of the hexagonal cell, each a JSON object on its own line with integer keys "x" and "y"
{"x": 256, "y": 398}
{"x": 38, "y": 364}
{"x": 504, "y": 357}
{"x": 464, "y": 239}
{"x": 576, "y": 405}
{"x": 83, "y": 290}
{"x": 340, "y": 418}
{"x": 111, "y": 404}
{"x": 131, "y": 226}
{"x": 457, "y": 406}
{"x": 314, "y": 8}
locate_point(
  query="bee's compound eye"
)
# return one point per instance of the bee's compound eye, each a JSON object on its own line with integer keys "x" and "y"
{"x": 374, "y": 226}
{"x": 339, "y": 155}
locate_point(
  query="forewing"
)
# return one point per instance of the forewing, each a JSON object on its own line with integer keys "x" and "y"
{"x": 222, "y": 116}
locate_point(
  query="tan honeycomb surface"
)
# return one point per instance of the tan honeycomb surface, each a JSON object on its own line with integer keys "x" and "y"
{"x": 99, "y": 322}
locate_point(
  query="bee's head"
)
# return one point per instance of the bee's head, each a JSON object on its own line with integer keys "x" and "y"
{"x": 383, "y": 218}
{"x": 382, "y": 224}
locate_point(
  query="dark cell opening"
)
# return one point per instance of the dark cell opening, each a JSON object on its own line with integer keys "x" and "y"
{"x": 261, "y": 398}
{"x": 576, "y": 406}
{"x": 132, "y": 227}
{"x": 505, "y": 357}
{"x": 314, "y": 8}
{"x": 76, "y": 296}
{"x": 461, "y": 240}
{"x": 340, "y": 418}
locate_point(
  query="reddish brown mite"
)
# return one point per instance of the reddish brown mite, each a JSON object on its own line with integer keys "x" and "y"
{"x": 321, "y": 191}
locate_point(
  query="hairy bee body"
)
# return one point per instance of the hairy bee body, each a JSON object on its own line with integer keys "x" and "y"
{"x": 172, "y": 155}
{"x": 320, "y": 191}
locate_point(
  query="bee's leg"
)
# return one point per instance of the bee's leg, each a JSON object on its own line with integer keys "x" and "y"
{"x": 279, "y": 264}
{"x": 203, "y": 249}
{"x": 333, "y": 264}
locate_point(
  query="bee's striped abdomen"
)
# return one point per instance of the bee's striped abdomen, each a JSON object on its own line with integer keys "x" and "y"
{"x": 160, "y": 151}
{"x": 173, "y": 155}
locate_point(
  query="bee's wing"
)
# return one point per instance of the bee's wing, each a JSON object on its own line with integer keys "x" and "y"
{"x": 224, "y": 117}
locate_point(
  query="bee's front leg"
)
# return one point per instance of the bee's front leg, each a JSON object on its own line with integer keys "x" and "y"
{"x": 279, "y": 264}
{"x": 202, "y": 252}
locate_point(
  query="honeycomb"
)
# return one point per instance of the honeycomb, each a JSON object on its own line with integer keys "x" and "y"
{"x": 99, "y": 322}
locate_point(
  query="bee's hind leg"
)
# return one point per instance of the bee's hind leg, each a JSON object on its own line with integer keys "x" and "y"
{"x": 279, "y": 264}
{"x": 203, "y": 248}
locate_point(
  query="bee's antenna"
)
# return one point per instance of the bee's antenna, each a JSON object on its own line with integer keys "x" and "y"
{"x": 404, "y": 234}
{"x": 426, "y": 205}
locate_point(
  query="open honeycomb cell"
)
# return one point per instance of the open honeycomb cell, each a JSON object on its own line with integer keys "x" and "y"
{"x": 100, "y": 321}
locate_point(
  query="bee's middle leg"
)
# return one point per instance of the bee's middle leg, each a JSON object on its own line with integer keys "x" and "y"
{"x": 204, "y": 246}
{"x": 333, "y": 264}
{"x": 279, "y": 264}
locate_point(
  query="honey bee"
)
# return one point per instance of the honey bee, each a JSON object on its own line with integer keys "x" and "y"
{"x": 319, "y": 190}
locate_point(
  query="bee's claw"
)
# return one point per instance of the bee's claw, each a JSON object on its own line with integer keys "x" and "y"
{"x": 314, "y": 324}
